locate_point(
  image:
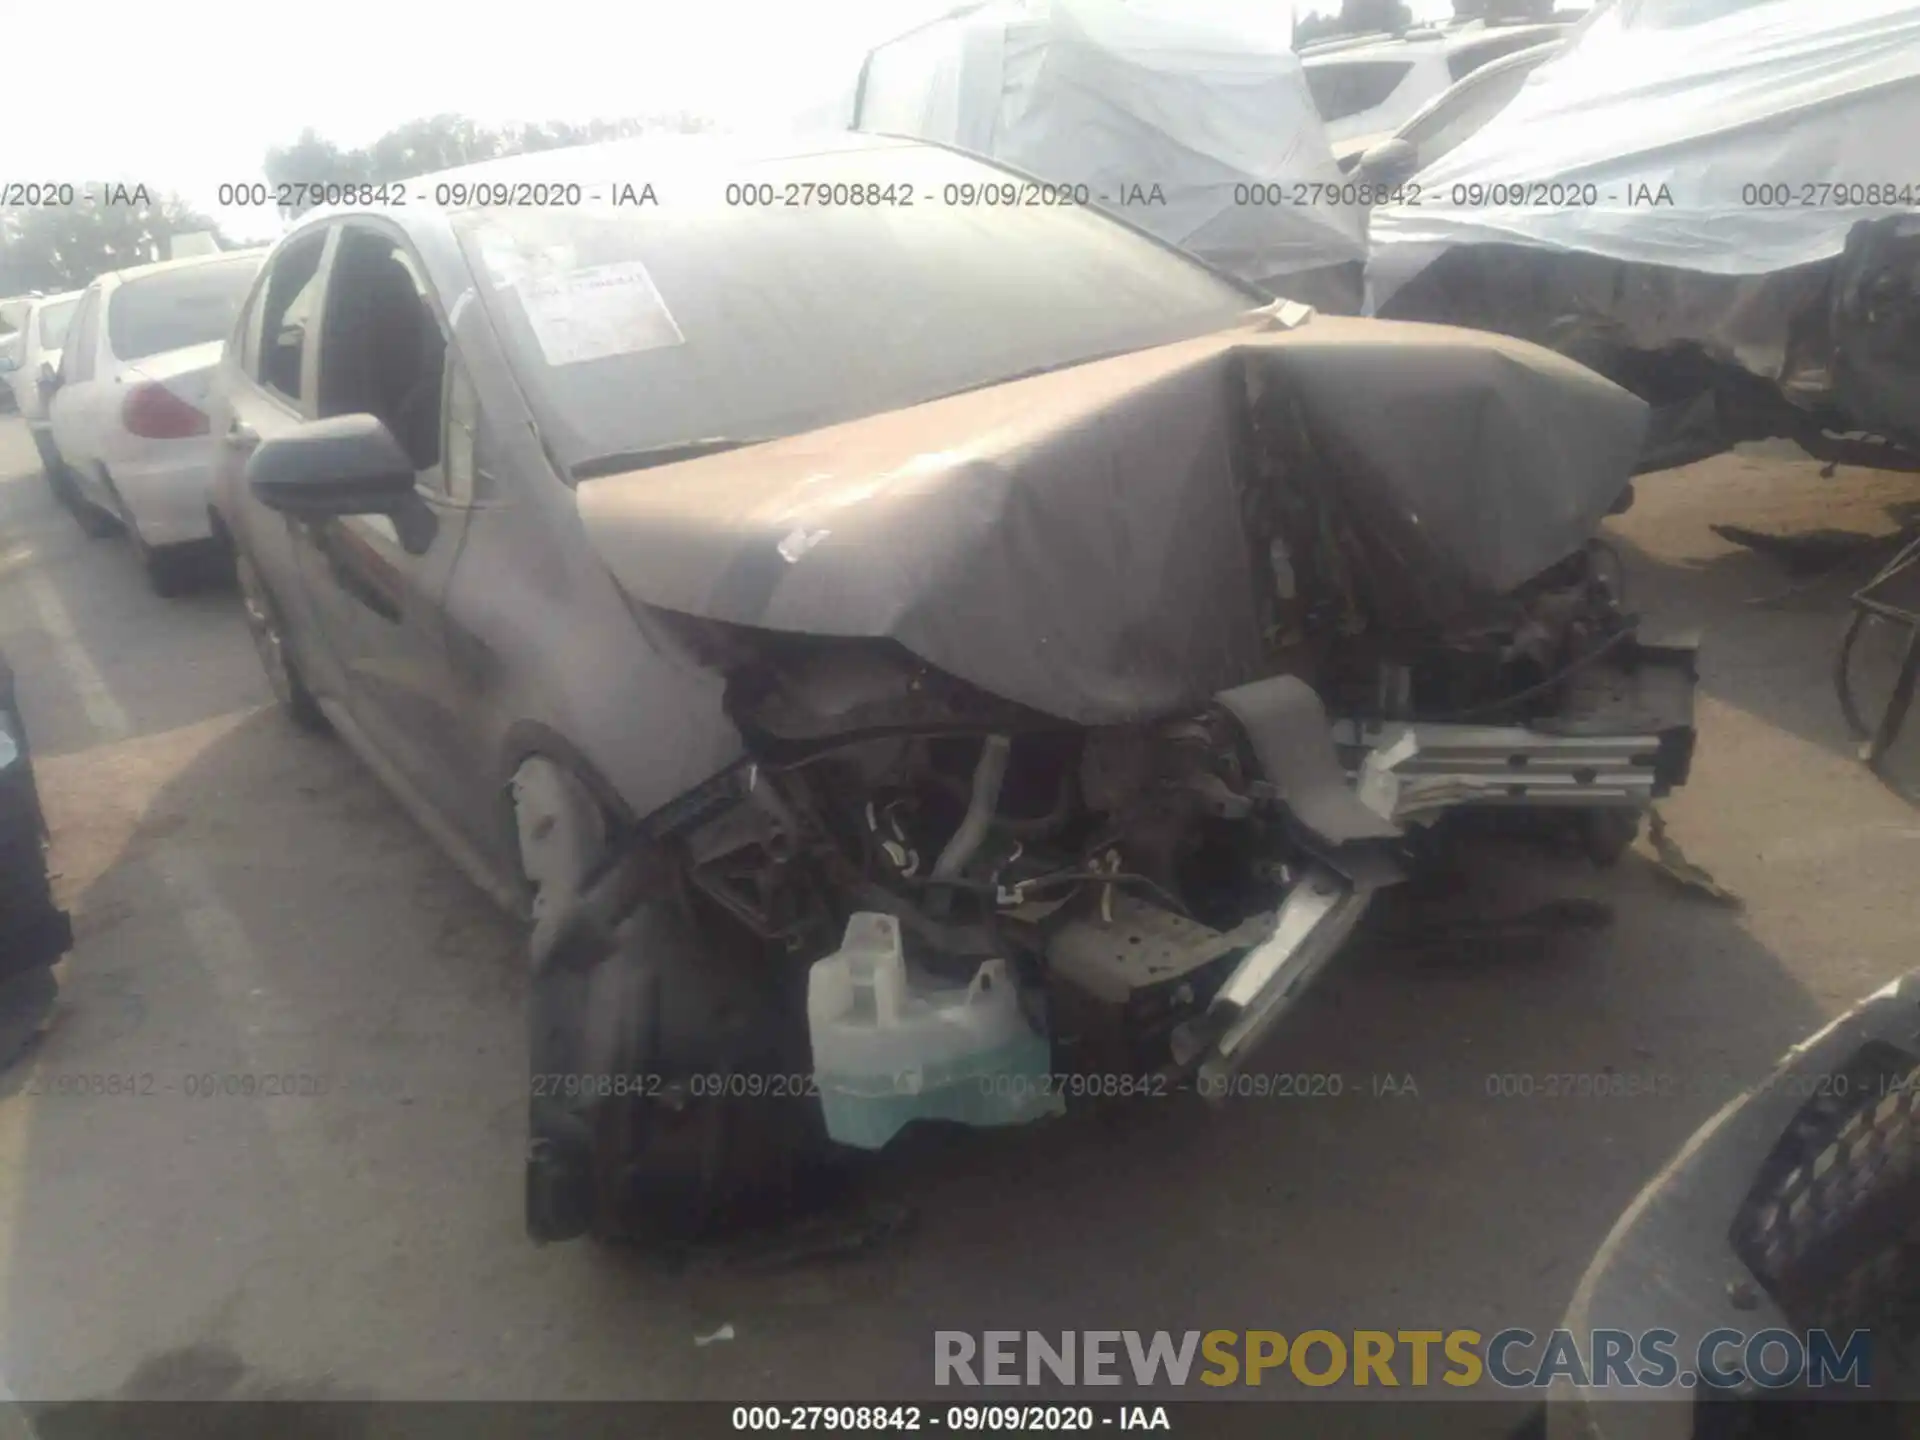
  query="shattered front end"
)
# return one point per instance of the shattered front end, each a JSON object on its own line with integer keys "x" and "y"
{"x": 1111, "y": 697}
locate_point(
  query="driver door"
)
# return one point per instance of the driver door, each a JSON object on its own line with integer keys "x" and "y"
{"x": 380, "y": 580}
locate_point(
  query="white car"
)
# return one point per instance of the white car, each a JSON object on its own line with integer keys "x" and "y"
{"x": 9, "y": 362}
{"x": 1366, "y": 89}
{"x": 43, "y": 328}
{"x": 128, "y": 411}
{"x": 1446, "y": 122}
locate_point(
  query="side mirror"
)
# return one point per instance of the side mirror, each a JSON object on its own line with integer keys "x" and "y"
{"x": 347, "y": 465}
{"x": 1388, "y": 163}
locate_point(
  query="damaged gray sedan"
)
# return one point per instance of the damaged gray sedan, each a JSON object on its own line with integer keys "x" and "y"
{"x": 899, "y": 643}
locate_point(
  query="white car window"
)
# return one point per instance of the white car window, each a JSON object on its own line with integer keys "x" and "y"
{"x": 76, "y": 359}
{"x": 1345, "y": 88}
{"x": 175, "y": 309}
{"x": 54, "y": 317}
{"x": 287, "y": 313}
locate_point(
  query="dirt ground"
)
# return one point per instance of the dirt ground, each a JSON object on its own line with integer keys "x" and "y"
{"x": 249, "y": 903}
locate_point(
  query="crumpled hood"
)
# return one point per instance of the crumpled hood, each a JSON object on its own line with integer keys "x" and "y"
{"x": 1074, "y": 541}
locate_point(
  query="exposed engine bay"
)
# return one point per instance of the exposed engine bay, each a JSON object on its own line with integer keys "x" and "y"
{"x": 1161, "y": 890}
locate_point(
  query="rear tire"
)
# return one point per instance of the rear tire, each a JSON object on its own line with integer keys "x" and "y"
{"x": 95, "y": 523}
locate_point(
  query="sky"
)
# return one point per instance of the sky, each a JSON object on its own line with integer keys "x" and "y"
{"x": 186, "y": 97}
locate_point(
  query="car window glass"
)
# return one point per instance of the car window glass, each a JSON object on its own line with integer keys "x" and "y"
{"x": 1463, "y": 113}
{"x": 76, "y": 359}
{"x": 243, "y": 343}
{"x": 1469, "y": 58}
{"x": 382, "y": 351}
{"x": 54, "y": 319}
{"x": 1343, "y": 89}
{"x": 286, "y": 313}
{"x": 720, "y": 325}
{"x": 176, "y": 309}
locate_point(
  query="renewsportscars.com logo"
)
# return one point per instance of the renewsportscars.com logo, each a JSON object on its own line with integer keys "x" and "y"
{"x": 1512, "y": 1359}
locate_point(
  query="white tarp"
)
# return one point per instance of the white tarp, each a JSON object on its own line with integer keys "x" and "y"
{"x": 1771, "y": 126}
{"x": 1200, "y": 100}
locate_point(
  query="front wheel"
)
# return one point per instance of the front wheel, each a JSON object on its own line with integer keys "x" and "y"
{"x": 669, "y": 1101}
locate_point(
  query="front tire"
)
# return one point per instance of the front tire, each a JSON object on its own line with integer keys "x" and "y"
{"x": 689, "y": 1117}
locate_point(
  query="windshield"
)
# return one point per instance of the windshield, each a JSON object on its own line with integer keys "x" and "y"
{"x": 638, "y": 328}
{"x": 55, "y": 316}
{"x": 173, "y": 309}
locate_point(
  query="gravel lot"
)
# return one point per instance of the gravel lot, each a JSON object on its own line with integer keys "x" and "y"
{"x": 248, "y": 902}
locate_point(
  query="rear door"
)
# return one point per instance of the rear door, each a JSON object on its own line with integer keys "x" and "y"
{"x": 380, "y": 580}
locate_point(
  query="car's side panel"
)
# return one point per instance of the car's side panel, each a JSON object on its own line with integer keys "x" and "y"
{"x": 539, "y": 634}
{"x": 382, "y": 578}
{"x": 72, "y": 411}
{"x": 538, "y": 652}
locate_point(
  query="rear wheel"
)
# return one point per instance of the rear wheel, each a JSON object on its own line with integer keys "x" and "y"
{"x": 95, "y": 522}
{"x": 59, "y": 481}
{"x": 276, "y": 658}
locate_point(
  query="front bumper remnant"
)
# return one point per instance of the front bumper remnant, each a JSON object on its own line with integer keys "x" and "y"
{"x": 1622, "y": 739}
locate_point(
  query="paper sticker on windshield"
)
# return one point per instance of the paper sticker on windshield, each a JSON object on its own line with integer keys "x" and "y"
{"x": 598, "y": 311}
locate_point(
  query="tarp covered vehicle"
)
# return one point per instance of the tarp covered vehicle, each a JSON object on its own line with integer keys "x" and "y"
{"x": 1194, "y": 123}
{"x": 1711, "y": 202}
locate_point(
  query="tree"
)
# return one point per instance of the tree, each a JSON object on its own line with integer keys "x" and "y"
{"x": 1503, "y": 9}
{"x": 107, "y": 227}
{"x": 1363, "y": 16}
{"x": 442, "y": 142}
{"x": 1357, "y": 17}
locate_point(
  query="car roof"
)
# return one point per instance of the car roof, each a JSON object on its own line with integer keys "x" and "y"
{"x": 159, "y": 267}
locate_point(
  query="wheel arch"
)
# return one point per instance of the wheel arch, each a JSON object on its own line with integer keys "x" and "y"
{"x": 533, "y": 740}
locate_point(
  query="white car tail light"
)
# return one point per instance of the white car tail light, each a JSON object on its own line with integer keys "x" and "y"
{"x": 153, "y": 412}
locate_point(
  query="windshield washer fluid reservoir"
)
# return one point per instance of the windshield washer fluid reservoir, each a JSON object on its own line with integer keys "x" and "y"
{"x": 889, "y": 1047}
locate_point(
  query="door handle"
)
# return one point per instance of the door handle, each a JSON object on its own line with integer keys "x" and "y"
{"x": 242, "y": 436}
